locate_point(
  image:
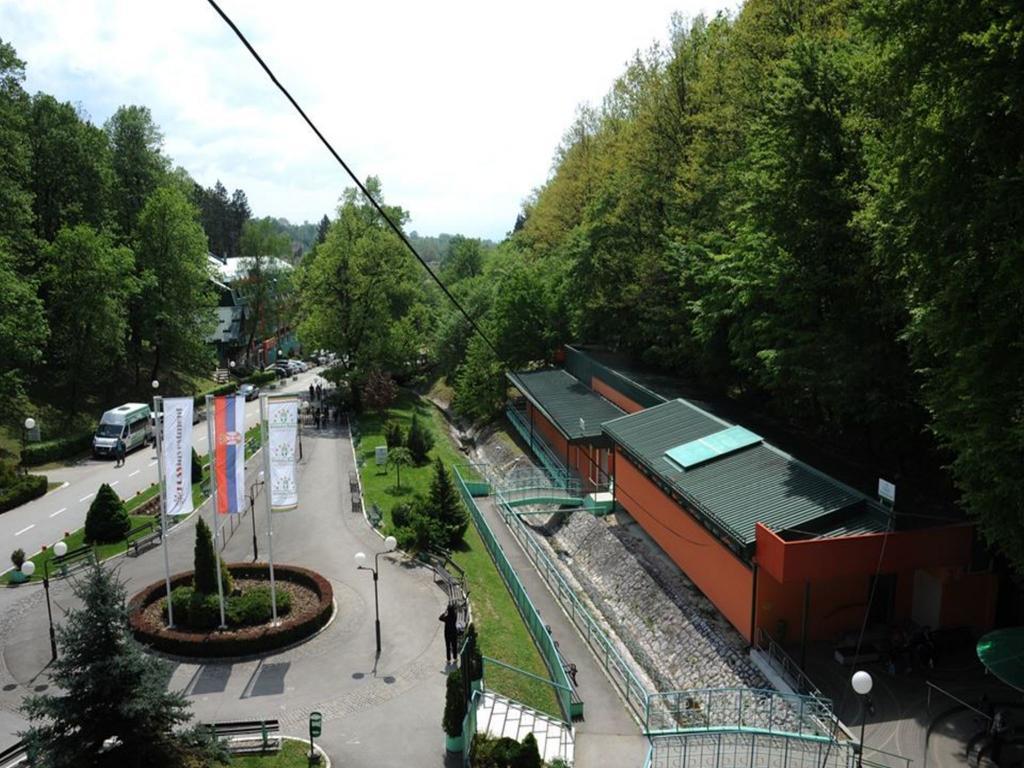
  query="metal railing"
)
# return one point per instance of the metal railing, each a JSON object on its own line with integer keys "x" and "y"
{"x": 531, "y": 616}
{"x": 798, "y": 680}
{"x": 537, "y": 444}
{"x": 743, "y": 749}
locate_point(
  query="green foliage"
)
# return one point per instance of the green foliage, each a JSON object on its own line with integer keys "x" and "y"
{"x": 379, "y": 391}
{"x": 53, "y": 450}
{"x": 22, "y": 490}
{"x": 505, "y": 752}
{"x": 105, "y": 685}
{"x": 254, "y": 606}
{"x": 138, "y": 164}
{"x": 204, "y": 579}
{"x": 445, "y": 506}
{"x": 415, "y": 529}
{"x": 197, "y": 467}
{"x": 198, "y": 611}
{"x": 420, "y": 441}
{"x": 261, "y": 377}
{"x": 393, "y": 434}
{"x": 454, "y": 704}
{"x": 399, "y": 457}
{"x": 107, "y": 520}
{"x": 17, "y": 558}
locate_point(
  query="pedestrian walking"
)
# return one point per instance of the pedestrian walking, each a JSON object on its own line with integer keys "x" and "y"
{"x": 319, "y": 393}
{"x": 451, "y": 633}
{"x": 119, "y": 452}
{"x": 316, "y": 415}
{"x": 312, "y": 391}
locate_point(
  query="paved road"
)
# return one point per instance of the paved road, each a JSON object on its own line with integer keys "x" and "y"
{"x": 45, "y": 520}
{"x": 377, "y": 712}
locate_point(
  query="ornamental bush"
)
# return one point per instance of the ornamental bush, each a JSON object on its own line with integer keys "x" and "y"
{"x": 22, "y": 490}
{"x": 420, "y": 441}
{"x": 52, "y": 450}
{"x": 254, "y": 606}
{"x": 454, "y": 705}
{"x": 107, "y": 520}
{"x": 393, "y": 435}
{"x": 205, "y": 564}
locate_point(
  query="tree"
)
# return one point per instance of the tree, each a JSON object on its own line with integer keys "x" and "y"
{"x": 393, "y": 435}
{"x": 138, "y": 163}
{"x": 107, "y": 520}
{"x": 23, "y": 332}
{"x": 16, "y": 236}
{"x": 108, "y": 688}
{"x": 264, "y": 284}
{"x": 177, "y": 301}
{"x": 379, "y": 391}
{"x": 399, "y": 457}
{"x": 465, "y": 259}
{"x": 88, "y": 284}
{"x": 445, "y": 506}
{"x": 420, "y": 440}
{"x": 454, "y": 704}
{"x": 204, "y": 578}
{"x": 322, "y": 229}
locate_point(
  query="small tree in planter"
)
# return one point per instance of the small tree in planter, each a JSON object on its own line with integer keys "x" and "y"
{"x": 474, "y": 659}
{"x": 454, "y": 712}
{"x": 204, "y": 580}
{"x": 107, "y": 521}
{"x": 17, "y": 558}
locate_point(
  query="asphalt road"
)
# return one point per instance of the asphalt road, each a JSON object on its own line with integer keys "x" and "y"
{"x": 44, "y": 520}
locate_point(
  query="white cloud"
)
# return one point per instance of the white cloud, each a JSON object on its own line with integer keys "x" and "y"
{"x": 456, "y": 106}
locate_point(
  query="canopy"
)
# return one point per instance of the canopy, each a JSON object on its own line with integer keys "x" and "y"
{"x": 1002, "y": 653}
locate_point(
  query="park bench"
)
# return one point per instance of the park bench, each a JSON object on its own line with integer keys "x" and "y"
{"x": 247, "y": 736}
{"x": 142, "y": 543}
{"x": 374, "y": 515}
{"x": 575, "y": 700}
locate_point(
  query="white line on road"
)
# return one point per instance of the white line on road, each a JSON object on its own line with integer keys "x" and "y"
{"x": 86, "y": 498}
{"x": 114, "y": 483}
{"x": 133, "y": 474}
{"x": 152, "y": 463}
{"x": 25, "y": 529}
{"x": 62, "y": 509}
{"x": 201, "y": 438}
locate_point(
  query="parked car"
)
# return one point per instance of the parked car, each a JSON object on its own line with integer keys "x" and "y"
{"x": 249, "y": 391}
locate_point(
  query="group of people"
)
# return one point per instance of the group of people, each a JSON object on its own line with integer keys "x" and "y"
{"x": 321, "y": 413}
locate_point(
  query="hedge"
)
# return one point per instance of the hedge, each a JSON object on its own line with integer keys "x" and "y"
{"x": 52, "y": 450}
{"x": 223, "y": 389}
{"x": 243, "y": 642}
{"x": 261, "y": 377}
{"x": 24, "y": 489}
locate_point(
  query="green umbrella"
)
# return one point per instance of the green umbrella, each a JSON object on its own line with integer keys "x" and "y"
{"x": 1002, "y": 653}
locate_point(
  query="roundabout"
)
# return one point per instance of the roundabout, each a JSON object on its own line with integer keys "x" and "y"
{"x": 306, "y": 599}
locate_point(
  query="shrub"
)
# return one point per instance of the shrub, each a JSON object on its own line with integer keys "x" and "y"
{"x": 393, "y": 434}
{"x": 254, "y": 606}
{"x": 197, "y": 467}
{"x": 417, "y": 529}
{"x": 420, "y": 440}
{"x": 223, "y": 389}
{"x": 52, "y": 450}
{"x": 107, "y": 520}
{"x": 22, "y": 490}
{"x": 401, "y": 515}
{"x": 203, "y": 611}
{"x": 17, "y": 558}
{"x": 505, "y": 752}
{"x": 529, "y": 754}
{"x": 205, "y": 564}
{"x": 454, "y": 705}
{"x": 261, "y": 377}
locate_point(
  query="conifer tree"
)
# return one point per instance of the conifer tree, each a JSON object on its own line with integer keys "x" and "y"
{"x": 107, "y": 688}
{"x": 419, "y": 441}
{"x": 107, "y": 521}
{"x": 204, "y": 579}
{"x": 445, "y": 505}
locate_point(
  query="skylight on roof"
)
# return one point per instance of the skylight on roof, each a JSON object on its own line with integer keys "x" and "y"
{"x": 704, "y": 449}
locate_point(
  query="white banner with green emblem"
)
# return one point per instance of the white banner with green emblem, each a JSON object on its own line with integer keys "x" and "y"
{"x": 282, "y": 445}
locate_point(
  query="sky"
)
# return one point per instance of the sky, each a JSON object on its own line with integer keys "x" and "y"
{"x": 457, "y": 107}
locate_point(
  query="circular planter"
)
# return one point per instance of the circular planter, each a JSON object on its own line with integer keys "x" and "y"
{"x": 245, "y": 641}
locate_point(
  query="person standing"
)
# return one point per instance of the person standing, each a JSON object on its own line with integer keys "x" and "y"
{"x": 312, "y": 391}
{"x": 451, "y": 633}
{"x": 119, "y": 451}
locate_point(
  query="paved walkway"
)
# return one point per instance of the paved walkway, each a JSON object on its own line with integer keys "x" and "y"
{"x": 376, "y": 713}
{"x": 609, "y": 736}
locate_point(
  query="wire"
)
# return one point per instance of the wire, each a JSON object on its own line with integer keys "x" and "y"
{"x": 366, "y": 193}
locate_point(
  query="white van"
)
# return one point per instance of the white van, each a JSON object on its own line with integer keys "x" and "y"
{"x": 130, "y": 422}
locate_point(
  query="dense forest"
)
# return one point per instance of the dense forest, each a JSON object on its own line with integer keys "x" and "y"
{"x": 814, "y": 207}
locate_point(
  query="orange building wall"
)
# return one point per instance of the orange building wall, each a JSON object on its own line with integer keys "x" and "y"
{"x": 544, "y": 427}
{"x": 614, "y": 396}
{"x": 716, "y": 571}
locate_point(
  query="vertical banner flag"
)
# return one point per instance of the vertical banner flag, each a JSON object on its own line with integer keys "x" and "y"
{"x": 176, "y": 453}
{"x": 229, "y": 453}
{"x": 283, "y": 425}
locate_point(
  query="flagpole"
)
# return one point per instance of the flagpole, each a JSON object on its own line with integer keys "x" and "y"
{"x": 158, "y": 417}
{"x": 267, "y": 493}
{"x": 210, "y": 418}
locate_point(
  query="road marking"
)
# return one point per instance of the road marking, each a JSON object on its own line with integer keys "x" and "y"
{"x": 25, "y": 529}
{"x": 86, "y": 498}
{"x": 152, "y": 463}
{"x": 114, "y": 483}
{"x": 201, "y": 438}
{"x": 133, "y": 474}
{"x": 62, "y": 509}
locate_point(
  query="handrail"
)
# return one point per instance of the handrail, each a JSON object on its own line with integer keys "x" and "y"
{"x": 943, "y": 691}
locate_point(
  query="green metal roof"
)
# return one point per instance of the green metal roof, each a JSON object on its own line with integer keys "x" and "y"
{"x": 1002, "y": 653}
{"x": 758, "y": 483}
{"x": 565, "y": 400}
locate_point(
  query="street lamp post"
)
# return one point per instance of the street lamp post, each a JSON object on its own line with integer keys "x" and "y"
{"x": 29, "y": 425}
{"x": 252, "y": 513}
{"x": 28, "y": 568}
{"x": 389, "y": 544}
{"x": 861, "y": 682}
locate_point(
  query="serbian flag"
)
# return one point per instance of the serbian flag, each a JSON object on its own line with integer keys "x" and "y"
{"x": 229, "y": 453}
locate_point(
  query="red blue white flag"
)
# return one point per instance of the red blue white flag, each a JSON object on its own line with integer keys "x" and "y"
{"x": 229, "y": 453}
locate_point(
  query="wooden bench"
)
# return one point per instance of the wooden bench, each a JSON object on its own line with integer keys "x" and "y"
{"x": 248, "y": 736}
{"x": 142, "y": 543}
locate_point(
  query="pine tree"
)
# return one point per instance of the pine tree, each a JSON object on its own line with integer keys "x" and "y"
{"x": 445, "y": 505}
{"x": 108, "y": 688}
{"x": 107, "y": 521}
{"x": 419, "y": 441}
{"x": 204, "y": 580}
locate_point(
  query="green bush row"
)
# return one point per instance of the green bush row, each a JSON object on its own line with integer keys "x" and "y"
{"x": 223, "y": 389}
{"x": 52, "y": 450}
{"x": 23, "y": 489}
{"x": 261, "y": 377}
{"x": 184, "y": 643}
{"x": 198, "y": 611}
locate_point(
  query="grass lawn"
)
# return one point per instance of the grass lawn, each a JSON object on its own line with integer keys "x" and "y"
{"x": 293, "y": 754}
{"x": 503, "y": 635}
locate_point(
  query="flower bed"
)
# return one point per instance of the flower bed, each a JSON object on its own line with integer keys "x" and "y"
{"x": 304, "y": 620}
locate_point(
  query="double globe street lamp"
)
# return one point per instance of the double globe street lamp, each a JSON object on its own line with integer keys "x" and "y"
{"x": 389, "y": 544}
{"x": 28, "y": 568}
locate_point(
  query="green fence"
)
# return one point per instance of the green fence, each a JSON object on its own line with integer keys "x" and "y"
{"x": 531, "y": 617}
